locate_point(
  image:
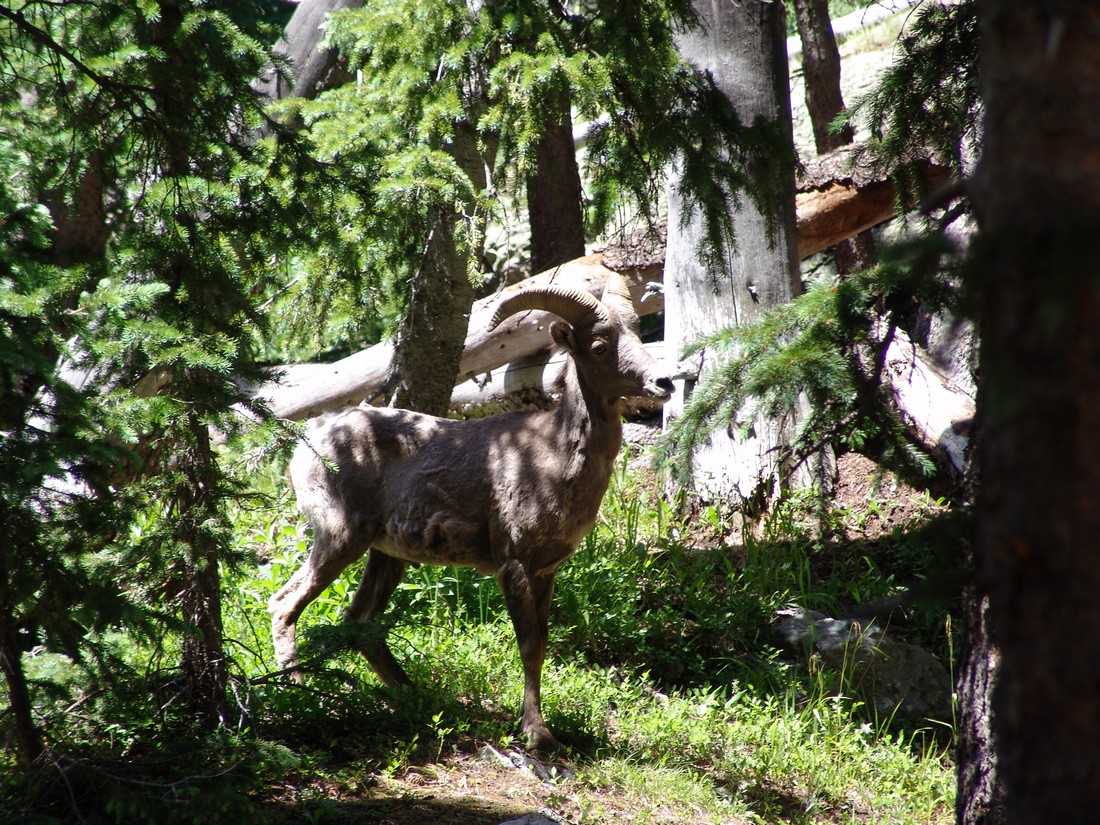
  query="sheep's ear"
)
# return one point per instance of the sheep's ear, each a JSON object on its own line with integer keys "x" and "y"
{"x": 563, "y": 336}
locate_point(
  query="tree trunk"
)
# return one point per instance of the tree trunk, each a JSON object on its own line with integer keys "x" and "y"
{"x": 743, "y": 46}
{"x": 429, "y": 344}
{"x": 197, "y": 498}
{"x": 824, "y": 101}
{"x": 430, "y": 341}
{"x": 312, "y": 67}
{"x": 19, "y": 699}
{"x": 821, "y": 72}
{"x": 979, "y": 800}
{"x": 1037, "y": 196}
{"x": 554, "y": 196}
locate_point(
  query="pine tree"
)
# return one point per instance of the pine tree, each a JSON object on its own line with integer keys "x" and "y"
{"x": 1033, "y": 280}
{"x": 432, "y": 76}
{"x": 137, "y": 211}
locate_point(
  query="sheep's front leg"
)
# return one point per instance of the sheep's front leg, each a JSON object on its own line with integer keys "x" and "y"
{"x": 528, "y": 599}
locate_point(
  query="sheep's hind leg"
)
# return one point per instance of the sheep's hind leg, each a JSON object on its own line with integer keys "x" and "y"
{"x": 380, "y": 578}
{"x": 318, "y": 571}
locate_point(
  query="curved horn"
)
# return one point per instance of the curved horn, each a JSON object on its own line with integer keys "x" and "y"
{"x": 573, "y": 305}
{"x": 616, "y": 293}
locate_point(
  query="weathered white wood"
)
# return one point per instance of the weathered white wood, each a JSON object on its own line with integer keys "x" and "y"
{"x": 538, "y": 371}
{"x": 344, "y": 383}
{"x": 936, "y": 410}
{"x": 494, "y": 364}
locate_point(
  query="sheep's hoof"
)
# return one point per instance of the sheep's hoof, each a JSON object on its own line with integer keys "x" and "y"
{"x": 539, "y": 738}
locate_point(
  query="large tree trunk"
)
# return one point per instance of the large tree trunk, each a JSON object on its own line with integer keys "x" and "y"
{"x": 429, "y": 344}
{"x": 1037, "y": 195}
{"x": 430, "y": 341}
{"x": 743, "y": 46}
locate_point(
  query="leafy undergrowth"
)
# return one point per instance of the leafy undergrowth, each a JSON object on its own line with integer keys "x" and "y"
{"x": 662, "y": 682}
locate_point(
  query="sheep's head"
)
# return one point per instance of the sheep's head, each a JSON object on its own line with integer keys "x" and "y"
{"x": 600, "y": 335}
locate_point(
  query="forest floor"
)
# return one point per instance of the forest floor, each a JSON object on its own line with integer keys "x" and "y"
{"x": 473, "y": 783}
{"x": 461, "y": 789}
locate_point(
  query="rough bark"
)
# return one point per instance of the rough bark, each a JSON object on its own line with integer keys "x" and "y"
{"x": 840, "y": 196}
{"x": 840, "y": 211}
{"x": 432, "y": 335}
{"x": 1037, "y": 195}
{"x": 821, "y": 70}
{"x": 979, "y": 799}
{"x": 554, "y": 206}
{"x": 312, "y": 68}
{"x": 430, "y": 341}
{"x": 743, "y": 46}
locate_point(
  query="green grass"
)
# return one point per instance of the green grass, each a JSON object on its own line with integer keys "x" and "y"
{"x": 662, "y": 679}
{"x": 661, "y": 668}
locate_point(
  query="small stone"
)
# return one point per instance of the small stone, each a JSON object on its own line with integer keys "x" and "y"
{"x": 531, "y": 819}
{"x": 494, "y": 757}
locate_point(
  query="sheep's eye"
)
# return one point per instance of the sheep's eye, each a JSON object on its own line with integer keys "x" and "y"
{"x": 599, "y": 347}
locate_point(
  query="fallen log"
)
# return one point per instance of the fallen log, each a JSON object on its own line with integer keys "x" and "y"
{"x": 534, "y": 372}
{"x": 936, "y": 411}
{"x": 304, "y": 392}
{"x": 837, "y": 198}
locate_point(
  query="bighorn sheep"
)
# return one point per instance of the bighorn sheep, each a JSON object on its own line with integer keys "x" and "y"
{"x": 512, "y": 494}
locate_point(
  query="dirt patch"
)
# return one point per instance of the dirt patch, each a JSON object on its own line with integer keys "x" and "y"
{"x": 875, "y": 501}
{"x": 463, "y": 789}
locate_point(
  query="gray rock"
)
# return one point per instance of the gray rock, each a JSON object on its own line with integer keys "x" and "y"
{"x": 893, "y": 679}
{"x": 532, "y": 819}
